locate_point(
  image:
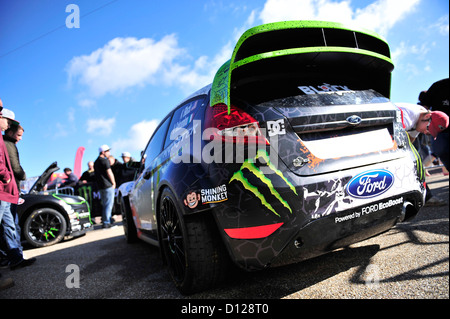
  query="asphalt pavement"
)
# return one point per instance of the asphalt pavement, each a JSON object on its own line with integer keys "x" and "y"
{"x": 411, "y": 261}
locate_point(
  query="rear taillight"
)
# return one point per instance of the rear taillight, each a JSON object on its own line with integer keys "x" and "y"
{"x": 234, "y": 126}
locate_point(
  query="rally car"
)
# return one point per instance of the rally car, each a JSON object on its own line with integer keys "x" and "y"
{"x": 293, "y": 151}
{"x": 47, "y": 217}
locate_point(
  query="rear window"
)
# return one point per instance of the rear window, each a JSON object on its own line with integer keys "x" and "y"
{"x": 289, "y": 92}
{"x": 344, "y": 97}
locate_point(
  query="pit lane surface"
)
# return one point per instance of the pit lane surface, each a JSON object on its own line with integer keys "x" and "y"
{"x": 409, "y": 262}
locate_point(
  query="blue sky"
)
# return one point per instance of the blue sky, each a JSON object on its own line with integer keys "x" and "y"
{"x": 131, "y": 61}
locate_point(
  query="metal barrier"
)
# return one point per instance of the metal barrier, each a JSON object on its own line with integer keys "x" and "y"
{"x": 62, "y": 190}
{"x": 434, "y": 166}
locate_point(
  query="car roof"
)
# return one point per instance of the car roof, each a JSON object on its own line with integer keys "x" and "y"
{"x": 203, "y": 91}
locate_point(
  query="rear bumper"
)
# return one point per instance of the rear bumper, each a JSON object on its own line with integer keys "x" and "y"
{"x": 287, "y": 244}
{"x": 274, "y": 217}
{"x": 346, "y": 228}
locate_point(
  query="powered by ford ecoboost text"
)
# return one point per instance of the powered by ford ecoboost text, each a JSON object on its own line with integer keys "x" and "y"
{"x": 293, "y": 151}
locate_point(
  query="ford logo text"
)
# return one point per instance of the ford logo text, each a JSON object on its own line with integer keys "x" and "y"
{"x": 370, "y": 184}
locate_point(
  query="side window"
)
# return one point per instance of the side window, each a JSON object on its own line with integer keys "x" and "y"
{"x": 182, "y": 117}
{"x": 154, "y": 147}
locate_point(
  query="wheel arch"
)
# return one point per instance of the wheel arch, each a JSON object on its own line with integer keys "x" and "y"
{"x": 29, "y": 210}
{"x": 179, "y": 198}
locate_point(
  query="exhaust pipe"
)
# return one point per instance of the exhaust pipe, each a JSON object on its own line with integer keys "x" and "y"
{"x": 409, "y": 211}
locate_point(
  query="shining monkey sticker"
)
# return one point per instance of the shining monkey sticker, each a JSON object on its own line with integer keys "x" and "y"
{"x": 206, "y": 196}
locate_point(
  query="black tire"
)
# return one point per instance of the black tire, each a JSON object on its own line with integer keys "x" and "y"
{"x": 45, "y": 227}
{"x": 191, "y": 247}
{"x": 129, "y": 227}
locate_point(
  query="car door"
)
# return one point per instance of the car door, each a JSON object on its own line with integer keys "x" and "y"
{"x": 142, "y": 195}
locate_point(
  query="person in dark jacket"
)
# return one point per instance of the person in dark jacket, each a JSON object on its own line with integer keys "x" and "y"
{"x": 106, "y": 184}
{"x": 72, "y": 179}
{"x": 9, "y": 194}
{"x": 89, "y": 175}
{"x": 12, "y": 136}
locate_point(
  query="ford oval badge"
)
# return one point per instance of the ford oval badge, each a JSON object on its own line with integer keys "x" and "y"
{"x": 354, "y": 120}
{"x": 370, "y": 184}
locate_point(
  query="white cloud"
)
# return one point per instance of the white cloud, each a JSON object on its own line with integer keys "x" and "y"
{"x": 86, "y": 103}
{"x": 123, "y": 63}
{"x": 442, "y": 25}
{"x": 283, "y": 10}
{"x": 137, "y": 137}
{"x": 67, "y": 127}
{"x": 71, "y": 115}
{"x": 412, "y": 59}
{"x": 61, "y": 130}
{"x": 382, "y": 15}
{"x": 100, "y": 126}
{"x": 404, "y": 49}
{"x": 379, "y": 16}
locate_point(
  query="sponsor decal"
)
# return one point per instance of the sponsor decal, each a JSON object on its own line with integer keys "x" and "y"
{"x": 250, "y": 166}
{"x": 276, "y": 127}
{"x": 370, "y": 184}
{"x": 214, "y": 195}
{"x": 192, "y": 200}
{"x": 326, "y": 198}
{"x": 325, "y": 89}
{"x": 206, "y": 196}
{"x": 369, "y": 210}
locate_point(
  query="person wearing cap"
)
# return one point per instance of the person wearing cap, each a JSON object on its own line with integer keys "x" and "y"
{"x": 436, "y": 98}
{"x": 417, "y": 119}
{"x": 129, "y": 167}
{"x": 10, "y": 232}
{"x": 126, "y": 157}
{"x": 12, "y": 136}
{"x": 9, "y": 194}
{"x": 106, "y": 184}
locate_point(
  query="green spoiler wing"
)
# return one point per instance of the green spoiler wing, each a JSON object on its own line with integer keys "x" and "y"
{"x": 306, "y": 43}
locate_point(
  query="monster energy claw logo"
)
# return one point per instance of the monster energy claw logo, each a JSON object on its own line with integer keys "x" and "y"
{"x": 250, "y": 166}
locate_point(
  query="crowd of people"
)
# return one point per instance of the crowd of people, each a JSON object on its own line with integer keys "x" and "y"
{"x": 106, "y": 171}
{"x": 123, "y": 172}
{"x": 429, "y": 117}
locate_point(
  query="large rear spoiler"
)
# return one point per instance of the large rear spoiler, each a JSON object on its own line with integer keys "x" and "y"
{"x": 309, "y": 49}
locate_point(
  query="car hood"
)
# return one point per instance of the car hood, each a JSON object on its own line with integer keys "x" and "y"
{"x": 43, "y": 179}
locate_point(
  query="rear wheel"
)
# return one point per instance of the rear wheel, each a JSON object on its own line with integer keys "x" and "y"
{"x": 191, "y": 247}
{"x": 45, "y": 227}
